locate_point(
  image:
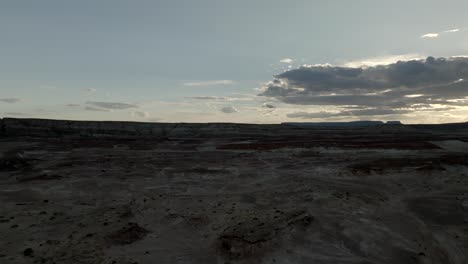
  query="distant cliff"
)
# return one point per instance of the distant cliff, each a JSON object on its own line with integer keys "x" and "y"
{"x": 336, "y": 124}
{"x": 47, "y": 127}
{"x": 58, "y": 128}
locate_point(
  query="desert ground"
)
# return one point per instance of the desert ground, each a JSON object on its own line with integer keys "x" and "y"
{"x": 90, "y": 193}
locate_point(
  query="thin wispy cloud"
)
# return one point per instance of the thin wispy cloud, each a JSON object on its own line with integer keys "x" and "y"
{"x": 90, "y": 90}
{"x": 208, "y": 98}
{"x": 10, "y": 100}
{"x": 267, "y": 105}
{"x": 14, "y": 114}
{"x": 222, "y": 98}
{"x": 96, "y": 109}
{"x": 140, "y": 114}
{"x": 111, "y": 105}
{"x": 438, "y": 34}
{"x": 229, "y": 110}
{"x": 208, "y": 83}
{"x": 430, "y": 35}
{"x": 413, "y": 95}
{"x": 287, "y": 60}
{"x": 452, "y": 30}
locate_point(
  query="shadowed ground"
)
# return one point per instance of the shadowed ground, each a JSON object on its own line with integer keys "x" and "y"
{"x": 394, "y": 194}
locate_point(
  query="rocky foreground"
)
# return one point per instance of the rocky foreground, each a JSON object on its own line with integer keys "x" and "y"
{"x": 121, "y": 192}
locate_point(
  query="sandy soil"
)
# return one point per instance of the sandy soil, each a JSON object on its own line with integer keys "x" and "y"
{"x": 218, "y": 200}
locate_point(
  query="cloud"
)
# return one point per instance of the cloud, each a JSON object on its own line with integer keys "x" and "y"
{"x": 435, "y": 35}
{"x": 288, "y": 61}
{"x": 209, "y": 83}
{"x": 10, "y": 100}
{"x": 430, "y": 35}
{"x": 399, "y": 86}
{"x": 208, "y": 98}
{"x": 14, "y": 114}
{"x": 381, "y": 60}
{"x": 267, "y": 105}
{"x": 223, "y": 98}
{"x": 95, "y": 109}
{"x": 111, "y": 105}
{"x": 73, "y": 105}
{"x": 90, "y": 90}
{"x": 140, "y": 114}
{"x": 229, "y": 110}
{"x": 349, "y": 113}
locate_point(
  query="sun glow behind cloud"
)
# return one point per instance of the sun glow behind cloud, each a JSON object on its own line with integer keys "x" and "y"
{"x": 382, "y": 60}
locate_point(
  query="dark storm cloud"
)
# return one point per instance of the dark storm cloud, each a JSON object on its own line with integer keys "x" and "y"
{"x": 111, "y": 105}
{"x": 401, "y": 85}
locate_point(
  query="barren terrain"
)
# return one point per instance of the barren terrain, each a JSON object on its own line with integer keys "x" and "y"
{"x": 226, "y": 193}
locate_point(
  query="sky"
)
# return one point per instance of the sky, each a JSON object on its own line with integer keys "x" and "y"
{"x": 249, "y": 61}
